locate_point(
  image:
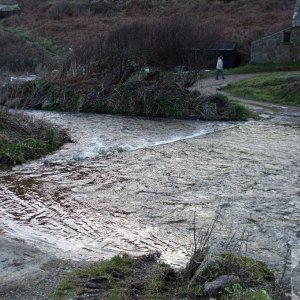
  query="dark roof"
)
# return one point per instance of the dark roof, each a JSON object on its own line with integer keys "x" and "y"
{"x": 217, "y": 46}
{"x": 223, "y": 45}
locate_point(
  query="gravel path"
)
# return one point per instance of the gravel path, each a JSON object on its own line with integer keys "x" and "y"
{"x": 211, "y": 86}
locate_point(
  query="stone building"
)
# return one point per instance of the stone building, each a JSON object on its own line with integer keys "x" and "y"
{"x": 8, "y": 8}
{"x": 279, "y": 47}
{"x": 205, "y": 57}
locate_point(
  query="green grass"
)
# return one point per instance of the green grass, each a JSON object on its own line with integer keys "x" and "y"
{"x": 276, "y": 87}
{"x": 238, "y": 292}
{"x": 257, "y": 271}
{"x": 260, "y": 68}
{"x": 238, "y": 112}
{"x": 38, "y": 41}
{"x": 20, "y": 152}
{"x": 156, "y": 281}
{"x": 116, "y": 288}
{"x": 66, "y": 287}
{"x": 118, "y": 263}
{"x": 27, "y": 148}
{"x": 74, "y": 283}
{"x": 23, "y": 139}
{"x": 154, "y": 288}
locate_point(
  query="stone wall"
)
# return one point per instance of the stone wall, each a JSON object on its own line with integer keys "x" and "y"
{"x": 295, "y": 44}
{"x": 273, "y": 49}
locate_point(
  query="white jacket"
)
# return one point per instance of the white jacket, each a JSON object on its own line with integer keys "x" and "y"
{"x": 220, "y": 64}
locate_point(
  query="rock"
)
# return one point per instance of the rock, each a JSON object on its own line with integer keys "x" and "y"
{"x": 209, "y": 262}
{"x": 215, "y": 265}
{"x": 214, "y": 287}
{"x": 5, "y": 159}
{"x": 55, "y": 74}
{"x": 98, "y": 280}
{"x": 116, "y": 274}
{"x": 93, "y": 286}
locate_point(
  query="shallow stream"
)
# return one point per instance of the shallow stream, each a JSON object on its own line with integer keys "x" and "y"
{"x": 136, "y": 185}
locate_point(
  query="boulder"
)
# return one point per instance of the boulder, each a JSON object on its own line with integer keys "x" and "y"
{"x": 212, "y": 288}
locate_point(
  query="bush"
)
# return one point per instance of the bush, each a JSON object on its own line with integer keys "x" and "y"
{"x": 156, "y": 97}
{"x": 238, "y": 112}
{"x": 22, "y": 139}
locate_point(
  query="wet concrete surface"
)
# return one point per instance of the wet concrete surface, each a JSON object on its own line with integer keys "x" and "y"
{"x": 28, "y": 273}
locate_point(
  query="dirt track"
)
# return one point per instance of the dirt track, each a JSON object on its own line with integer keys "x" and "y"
{"x": 264, "y": 109}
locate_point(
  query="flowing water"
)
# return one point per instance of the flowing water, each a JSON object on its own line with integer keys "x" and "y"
{"x": 136, "y": 185}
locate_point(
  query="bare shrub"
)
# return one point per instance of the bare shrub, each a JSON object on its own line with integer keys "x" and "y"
{"x": 158, "y": 41}
{"x": 104, "y": 8}
{"x": 82, "y": 59}
{"x": 131, "y": 45}
{"x": 59, "y": 9}
{"x": 155, "y": 42}
{"x": 15, "y": 59}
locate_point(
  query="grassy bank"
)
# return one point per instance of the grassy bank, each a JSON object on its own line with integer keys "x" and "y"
{"x": 277, "y": 87}
{"x": 154, "y": 95}
{"x": 38, "y": 41}
{"x": 36, "y": 50}
{"x": 23, "y": 139}
{"x": 70, "y": 23}
{"x": 261, "y": 68}
{"x": 124, "y": 277}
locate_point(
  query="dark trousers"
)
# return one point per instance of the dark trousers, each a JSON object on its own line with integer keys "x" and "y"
{"x": 219, "y": 72}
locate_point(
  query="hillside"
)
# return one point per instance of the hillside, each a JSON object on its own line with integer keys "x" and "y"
{"x": 72, "y": 24}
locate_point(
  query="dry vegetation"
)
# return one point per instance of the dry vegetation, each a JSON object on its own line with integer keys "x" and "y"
{"x": 85, "y": 21}
{"x": 111, "y": 41}
{"x": 11, "y": 56}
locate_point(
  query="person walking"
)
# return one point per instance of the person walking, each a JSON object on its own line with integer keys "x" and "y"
{"x": 220, "y": 68}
